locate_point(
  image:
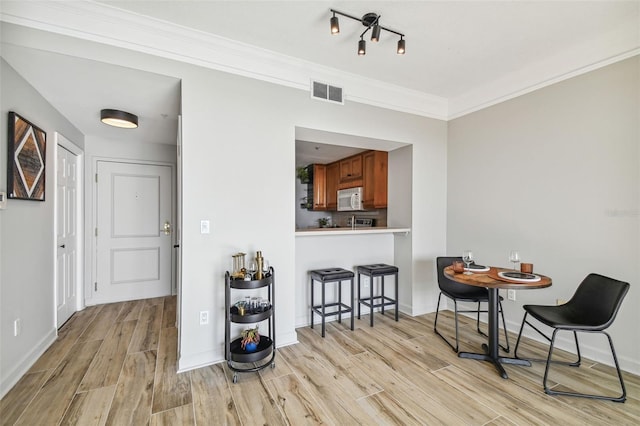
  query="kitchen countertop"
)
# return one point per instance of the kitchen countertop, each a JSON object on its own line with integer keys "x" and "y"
{"x": 308, "y": 232}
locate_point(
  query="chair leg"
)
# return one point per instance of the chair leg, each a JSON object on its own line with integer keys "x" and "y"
{"x": 621, "y": 398}
{"x": 504, "y": 327}
{"x": 524, "y": 320}
{"x": 515, "y": 352}
{"x": 435, "y": 325}
{"x": 358, "y": 295}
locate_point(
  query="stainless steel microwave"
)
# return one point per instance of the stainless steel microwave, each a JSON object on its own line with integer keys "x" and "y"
{"x": 350, "y": 199}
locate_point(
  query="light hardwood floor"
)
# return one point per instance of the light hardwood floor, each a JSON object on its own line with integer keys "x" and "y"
{"x": 116, "y": 364}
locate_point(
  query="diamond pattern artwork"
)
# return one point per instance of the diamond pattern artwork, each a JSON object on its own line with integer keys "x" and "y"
{"x": 26, "y": 159}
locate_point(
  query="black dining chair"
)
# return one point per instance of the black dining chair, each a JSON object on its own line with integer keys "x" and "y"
{"x": 463, "y": 293}
{"x": 592, "y": 309}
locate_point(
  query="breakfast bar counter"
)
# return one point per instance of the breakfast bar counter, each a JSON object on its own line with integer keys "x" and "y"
{"x": 316, "y": 232}
{"x": 343, "y": 247}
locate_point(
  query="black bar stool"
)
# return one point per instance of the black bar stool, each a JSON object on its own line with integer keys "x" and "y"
{"x": 330, "y": 275}
{"x": 372, "y": 271}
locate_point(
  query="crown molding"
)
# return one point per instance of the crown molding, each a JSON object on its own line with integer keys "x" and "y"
{"x": 462, "y": 107}
{"x": 591, "y": 54}
{"x": 111, "y": 26}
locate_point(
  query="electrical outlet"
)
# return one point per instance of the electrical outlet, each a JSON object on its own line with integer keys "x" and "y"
{"x": 17, "y": 327}
{"x": 511, "y": 295}
{"x": 204, "y": 317}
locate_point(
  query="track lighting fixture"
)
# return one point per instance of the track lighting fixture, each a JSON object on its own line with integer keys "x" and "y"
{"x": 372, "y": 22}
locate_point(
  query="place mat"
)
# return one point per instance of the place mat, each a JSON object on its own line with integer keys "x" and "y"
{"x": 477, "y": 268}
{"x": 520, "y": 277}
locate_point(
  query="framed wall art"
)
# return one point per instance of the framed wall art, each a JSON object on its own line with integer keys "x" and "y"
{"x": 26, "y": 159}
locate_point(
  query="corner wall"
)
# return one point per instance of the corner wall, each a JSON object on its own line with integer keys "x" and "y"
{"x": 555, "y": 174}
{"x": 27, "y": 240}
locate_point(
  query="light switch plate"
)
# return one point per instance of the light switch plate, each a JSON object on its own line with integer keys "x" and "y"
{"x": 204, "y": 227}
{"x": 3, "y": 200}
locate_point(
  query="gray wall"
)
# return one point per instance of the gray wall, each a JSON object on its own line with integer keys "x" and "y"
{"x": 555, "y": 174}
{"x": 27, "y": 237}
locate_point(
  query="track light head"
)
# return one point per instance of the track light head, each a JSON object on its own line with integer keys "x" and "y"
{"x": 401, "y": 46}
{"x": 362, "y": 47}
{"x": 335, "y": 25}
{"x": 375, "y": 33}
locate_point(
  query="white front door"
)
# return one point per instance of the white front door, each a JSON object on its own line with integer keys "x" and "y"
{"x": 133, "y": 241}
{"x": 67, "y": 235}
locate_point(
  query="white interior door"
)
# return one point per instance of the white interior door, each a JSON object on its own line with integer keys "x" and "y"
{"x": 133, "y": 241}
{"x": 67, "y": 234}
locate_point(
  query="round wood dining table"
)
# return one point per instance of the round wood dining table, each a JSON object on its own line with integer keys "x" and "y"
{"x": 493, "y": 282}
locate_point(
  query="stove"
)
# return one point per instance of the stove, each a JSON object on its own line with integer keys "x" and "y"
{"x": 361, "y": 222}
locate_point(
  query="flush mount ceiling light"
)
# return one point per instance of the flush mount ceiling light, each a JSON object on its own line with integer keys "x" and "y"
{"x": 117, "y": 118}
{"x": 372, "y": 22}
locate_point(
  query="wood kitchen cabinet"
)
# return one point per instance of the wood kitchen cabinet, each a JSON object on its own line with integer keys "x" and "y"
{"x": 375, "y": 171}
{"x": 368, "y": 170}
{"x": 319, "y": 187}
{"x": 351, "y": 168}
{"x": 332, "y": 179}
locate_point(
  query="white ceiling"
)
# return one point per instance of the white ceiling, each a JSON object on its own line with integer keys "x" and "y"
{"x": 453, "y": 47}
{"x": 80, "y": 88}
{"x": 468, "y": 53}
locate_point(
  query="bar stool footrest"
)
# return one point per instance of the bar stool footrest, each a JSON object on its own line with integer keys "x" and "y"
{"x": 342, "y": 309}
{"x": 383, "y": 301}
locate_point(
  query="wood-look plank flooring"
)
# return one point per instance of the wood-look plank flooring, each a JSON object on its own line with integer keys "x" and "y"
{"x": 115, "y": 364}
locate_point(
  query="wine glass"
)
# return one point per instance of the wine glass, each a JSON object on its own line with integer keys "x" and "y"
{"x": 467, "y": 258}
{"x": 265, "y": 267}
{"x": 251, "y": 270}
{"x": 514, "y": 257}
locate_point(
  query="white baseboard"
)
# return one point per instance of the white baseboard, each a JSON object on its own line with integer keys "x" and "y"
{"x": 564, "y": 341}
{"x": 9, "y": 379}
{"x": 203, "y": 359}
{"x": 199, "y": 360}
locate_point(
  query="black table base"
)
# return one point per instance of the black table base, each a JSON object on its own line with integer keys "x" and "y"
{"x": 491, "y": 350}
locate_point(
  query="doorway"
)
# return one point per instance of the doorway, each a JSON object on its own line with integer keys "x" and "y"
{"x": 133, "y": 231}
{"x": 69, "y": 253}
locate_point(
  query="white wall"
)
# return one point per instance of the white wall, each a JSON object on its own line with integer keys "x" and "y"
{"x": 241, "y": 179}
{"x": 399, "y": 215}
{"x": 341, "y": 251}
{"x": 555, "y": 174}
{"x": 238, "y": 172}
{"x": 27, "y": 238}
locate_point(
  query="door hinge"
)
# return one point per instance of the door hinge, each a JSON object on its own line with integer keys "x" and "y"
{"x": 96, "y": 232}
{"x": 95, "y": 286}
{"x": 96, "y": 178}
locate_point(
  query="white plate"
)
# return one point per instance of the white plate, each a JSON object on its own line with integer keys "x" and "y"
{"x": 523, "y": 278}
{"x": 476, "y": 269}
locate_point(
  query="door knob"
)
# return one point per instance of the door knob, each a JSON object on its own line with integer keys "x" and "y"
{"x": 62, "y": 246}
{"x": 166, "y": 228}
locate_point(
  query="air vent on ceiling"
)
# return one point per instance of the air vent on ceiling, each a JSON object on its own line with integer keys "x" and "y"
{"x": 326, "y": 92}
